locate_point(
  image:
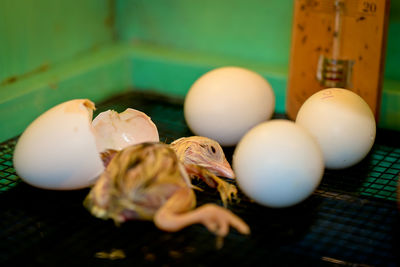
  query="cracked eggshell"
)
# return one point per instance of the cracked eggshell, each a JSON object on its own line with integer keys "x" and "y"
{"x": 118, "y": 130}
{"x": 58, "y": 150}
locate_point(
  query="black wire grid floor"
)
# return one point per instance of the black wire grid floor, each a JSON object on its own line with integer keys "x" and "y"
{"x": 351, "y": 219}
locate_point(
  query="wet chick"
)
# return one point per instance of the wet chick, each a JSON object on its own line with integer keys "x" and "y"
{"x": 204, "y": 152}
{"x": 148, "y": 182}
{"x": 204, "y": 158}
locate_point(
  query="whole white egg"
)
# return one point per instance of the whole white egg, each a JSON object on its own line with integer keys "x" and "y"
{"x": 343, "y": 124}
{"x": 58, "y": 149}
{"x": 278, "y": 164}
{"x": 225, "y": 103}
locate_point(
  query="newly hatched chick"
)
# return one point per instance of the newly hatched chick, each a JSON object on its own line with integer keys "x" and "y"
{"x": 204, "y": 152}
{"x": 147, "y": 181}
{"x": 204, "y": 158}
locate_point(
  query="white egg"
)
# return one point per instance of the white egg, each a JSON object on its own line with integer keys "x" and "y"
{"x": 61, "y": 148}
{"x": 225, "y": 103}
{"x": 343, "y": 124}
{"x": 278, "y": 164}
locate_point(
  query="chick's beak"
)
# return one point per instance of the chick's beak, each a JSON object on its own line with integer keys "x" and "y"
{"x": 222, "y": 169}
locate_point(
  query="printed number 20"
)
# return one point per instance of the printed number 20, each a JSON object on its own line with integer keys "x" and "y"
{"x": 369, "y": 7}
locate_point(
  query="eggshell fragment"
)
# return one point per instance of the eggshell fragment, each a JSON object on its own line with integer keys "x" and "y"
{"x": 278, "y": 164}
{"x": 62, "y": 148}
{"x": 118, "y": 130}
{"x": 225, "y": 103}
{"x": 58, "y": 149}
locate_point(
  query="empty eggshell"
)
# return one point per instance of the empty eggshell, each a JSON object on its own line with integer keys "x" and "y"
{"x": 118, "y": 130}
{"x": 61, "y": 148}
{"x": 58, "y": 149}
{"x": 342, "y": 123}
{"x": 225, "y": 103}
{"x": 278, "y": 164}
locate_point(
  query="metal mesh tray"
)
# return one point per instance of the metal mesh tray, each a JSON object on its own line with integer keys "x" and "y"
{"x": 351, "y": 219}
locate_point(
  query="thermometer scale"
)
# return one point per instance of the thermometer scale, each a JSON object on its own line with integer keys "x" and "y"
{"x": 337, "y": 44}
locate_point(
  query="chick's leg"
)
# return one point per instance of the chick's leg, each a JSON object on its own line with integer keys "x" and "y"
{"x": 176, "y": 214}
{"x": 225, "y": 189}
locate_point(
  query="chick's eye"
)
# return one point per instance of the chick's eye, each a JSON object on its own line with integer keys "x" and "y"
{"x": 213, "y": 149}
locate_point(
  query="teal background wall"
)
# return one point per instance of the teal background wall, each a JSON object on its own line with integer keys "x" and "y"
{"x": 52, "y": 51}
{"x": 392, "y": 70}
{"x": 255, "y": 30}
{"x": 36, "y": 34}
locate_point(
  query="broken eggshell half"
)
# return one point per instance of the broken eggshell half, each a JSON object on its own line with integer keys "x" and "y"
{"x": 61, "y": 148}
{"x": 119, "y": 130}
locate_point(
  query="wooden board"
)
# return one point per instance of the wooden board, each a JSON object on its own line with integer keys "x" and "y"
{"x": 337, "y": 43}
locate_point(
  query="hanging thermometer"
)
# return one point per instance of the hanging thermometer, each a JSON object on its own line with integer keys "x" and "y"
{"x": 337, "y": 43}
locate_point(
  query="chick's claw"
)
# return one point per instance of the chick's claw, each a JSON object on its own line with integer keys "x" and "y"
{"x": 226, "y": 190}
{"x": 218, "y": 220}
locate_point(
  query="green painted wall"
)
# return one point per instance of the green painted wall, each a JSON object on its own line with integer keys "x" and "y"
{"x": 393, "y": 46}
{"x": 255, "y": 30}
{"x": 51, "y": 51}
{"x": 177, "y": 41}
{"x": 35, "y": 34}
